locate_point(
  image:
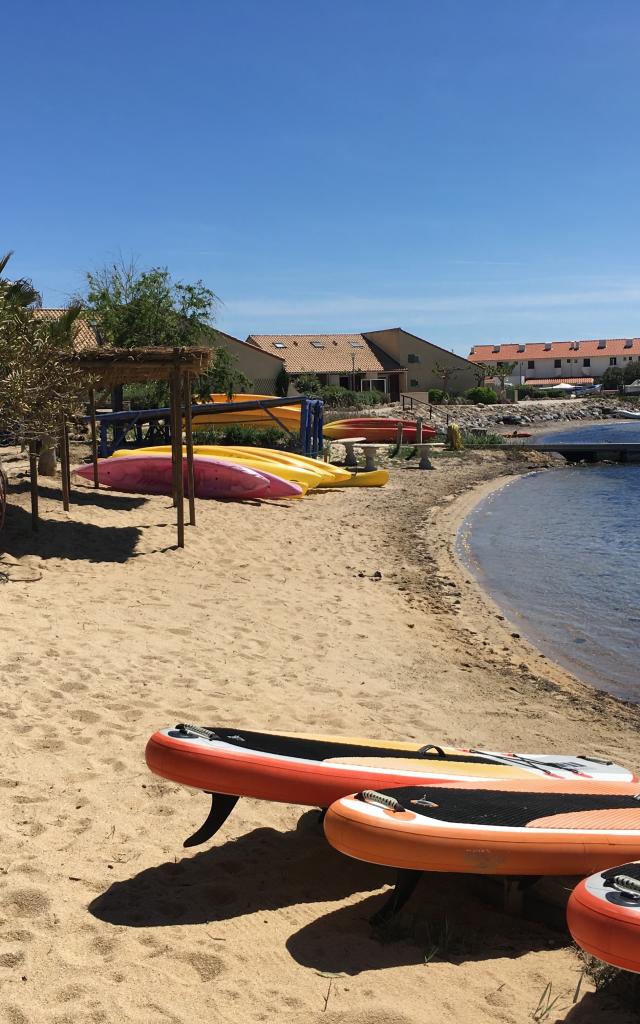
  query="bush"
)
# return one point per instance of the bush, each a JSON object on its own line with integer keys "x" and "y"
{"x": 527, "y": 391}
{"x": 153, "y": 395}
{"x": 482, "y": 396}
{"x": 237, "y": 434}
{"x": 437, "y": 396}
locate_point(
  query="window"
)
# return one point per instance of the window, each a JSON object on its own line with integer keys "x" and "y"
{"x": 413, "y": 358}
{"x": 531, "y": 365}
{"x": 586, "y": 362}
{"x": 413, "y": 383}
{"x": 316, "y": 343}
{"x": 279, "y": 344}
{"x": 612, "y": 361}
{"x": 356, "y": 344}
{"x": 557, "y": 363}
{"x": 344, "y": 382}
{"x": 374, "y": 384}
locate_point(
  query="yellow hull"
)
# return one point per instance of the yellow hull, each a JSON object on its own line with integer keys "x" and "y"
{"x": 374, "y": 478}
{"x": 289, "y": 415}
{"x": 324, "y": 468}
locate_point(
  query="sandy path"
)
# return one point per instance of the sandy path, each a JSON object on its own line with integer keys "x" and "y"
{"x": 269, "y": 618}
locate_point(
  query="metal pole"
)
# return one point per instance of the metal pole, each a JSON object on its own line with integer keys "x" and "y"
{"x": 33, "y": 476}
{"x": 94, "y": 436}
{"x": 189, "y": 443}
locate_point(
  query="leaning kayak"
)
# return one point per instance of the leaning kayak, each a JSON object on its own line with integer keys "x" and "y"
{"x": 298, "y": 474}
{"x": 317, "y": 770}
{"x": 153, "y": 474}
{"x": 603, "y": 915}
{"x": 383, "y": 430}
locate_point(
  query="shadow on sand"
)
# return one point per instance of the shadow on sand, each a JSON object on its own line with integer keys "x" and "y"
{"x": 262, "y": 870}
{"x": 267, "y": 870}
{"x": 443, "y": 921}
{"x": 67, "y": 538}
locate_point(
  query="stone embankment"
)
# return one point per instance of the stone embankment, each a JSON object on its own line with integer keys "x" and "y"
{"x": 525, "y": 413}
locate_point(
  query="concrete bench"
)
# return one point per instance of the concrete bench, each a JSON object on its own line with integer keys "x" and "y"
{"x": 425, "y": 450}
{"x": 349, "y": 444}
{"x": 370, "y": 450}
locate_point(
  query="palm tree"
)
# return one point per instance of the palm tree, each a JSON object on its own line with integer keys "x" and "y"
{"x": 20, "y": 294}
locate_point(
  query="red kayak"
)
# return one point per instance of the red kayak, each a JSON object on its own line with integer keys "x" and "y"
{"x": 381, "y": 429}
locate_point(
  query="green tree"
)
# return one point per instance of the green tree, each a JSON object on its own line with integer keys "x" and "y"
{"x": 222, "y": 377}
{"x": 282, "y": 383}
{"x": 37, "y": 379}
{"x": 614, "y": 377}
{"x": 632, "y": 372}
{"x": 130, "y": 308}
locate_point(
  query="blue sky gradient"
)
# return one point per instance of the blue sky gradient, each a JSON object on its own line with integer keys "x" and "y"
{"x": 466, "y": 170}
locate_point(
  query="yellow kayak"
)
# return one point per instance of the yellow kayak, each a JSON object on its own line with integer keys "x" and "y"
{"x": 289, "y": 415}
{"x": 324, "y": 468}
{"x": 298, "y": 474}
{"x": 374, "y": 478}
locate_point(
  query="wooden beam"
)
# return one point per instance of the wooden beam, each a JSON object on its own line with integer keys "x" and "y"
{"x": 64, "y": 461}
{"x": 176, "y": 389}
{"x": 33, "y": 477}
{"x": 94, "y": 436}
{"x": 187, "y": 399}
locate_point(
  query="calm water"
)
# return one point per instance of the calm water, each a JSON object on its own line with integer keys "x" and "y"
{"x": 560, "y": 553}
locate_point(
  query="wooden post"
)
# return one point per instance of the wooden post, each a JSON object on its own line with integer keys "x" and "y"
{"x": 176, "y": 388}
{"x": 94, "y": 436}
{"x": 419, "y": 430}
{"x": 399, "y": 435}
{"x": 64, "y": 461}
{"x": 33, "y": 476}
{"x": 189, "y": 444}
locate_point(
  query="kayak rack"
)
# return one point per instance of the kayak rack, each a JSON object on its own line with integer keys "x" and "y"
{"x": 153, "y": 426}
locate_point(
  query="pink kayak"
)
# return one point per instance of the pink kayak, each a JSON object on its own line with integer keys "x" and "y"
{"x": 152, "y": 474}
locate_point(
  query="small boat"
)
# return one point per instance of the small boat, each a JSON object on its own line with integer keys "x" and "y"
{"x": 153, "y": 474}
{"x": 376, "y": 429}
{"x": 628, "y": 414}
{"x": 489, "y": 830}
{"x": 316, "y": 770}
{"x": 603, "y": 915}
{"x": 362, "y": 478}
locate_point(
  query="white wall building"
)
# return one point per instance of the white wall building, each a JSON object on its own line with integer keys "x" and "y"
{"x": 554, "y": 362}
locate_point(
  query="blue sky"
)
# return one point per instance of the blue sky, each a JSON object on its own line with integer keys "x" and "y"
{"x": 468, "y": 170}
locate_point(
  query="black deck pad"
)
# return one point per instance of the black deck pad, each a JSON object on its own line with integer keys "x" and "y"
{"x": 631, "y": 870}
{"x": 508, "y": 808}
{"x": 320, "y": 750}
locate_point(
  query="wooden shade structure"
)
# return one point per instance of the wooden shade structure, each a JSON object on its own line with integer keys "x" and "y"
{"x": 110, "y": 367}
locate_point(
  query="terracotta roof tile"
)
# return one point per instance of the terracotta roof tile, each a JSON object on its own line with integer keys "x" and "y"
{"x": 545, "y": 381}
{"x": 325, "y": 353}
{"x": 85, "y": 335}
{"x": 556, "y": 350}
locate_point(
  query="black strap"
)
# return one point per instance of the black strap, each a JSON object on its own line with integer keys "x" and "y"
{"x": 432, "y": 746}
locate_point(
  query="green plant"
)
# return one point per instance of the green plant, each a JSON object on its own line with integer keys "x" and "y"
{"x": 437, "y": 396}
{"x": 222, "y": 378}
{"x": 481, "y": 440}
{"x": 151, "y": 395}
{"x": 282, "y": 383}
{"x": 38, "y": 380}
{"x": 482, "y": 396}
{"x": 237, "y": 434}
{"x": 307, "y": 384}
{"x": 130, "y": 308}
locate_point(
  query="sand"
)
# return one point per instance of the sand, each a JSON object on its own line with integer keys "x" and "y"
{"x": 272, "y": 617}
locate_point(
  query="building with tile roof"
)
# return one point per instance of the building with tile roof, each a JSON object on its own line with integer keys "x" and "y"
{"x": 391, "y": 361}
{"x": 85, "y": 337}
{"x": 558, "y": 362}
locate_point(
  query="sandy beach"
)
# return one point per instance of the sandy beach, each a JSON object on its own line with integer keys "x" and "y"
{"x": 345, "y": 612}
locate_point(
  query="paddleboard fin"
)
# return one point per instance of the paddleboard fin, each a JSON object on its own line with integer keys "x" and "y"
{"x": 221, "y": 807}
{"x": 406, "y": 881}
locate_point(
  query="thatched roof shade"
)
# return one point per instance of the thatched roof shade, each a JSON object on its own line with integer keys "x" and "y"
{"x": 112, "y": 366}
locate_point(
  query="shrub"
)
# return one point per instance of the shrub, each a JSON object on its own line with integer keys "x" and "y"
{"x": 237, "y": 434}
{"x": 437, "y": 396}
{"x": 482, "y": 396}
